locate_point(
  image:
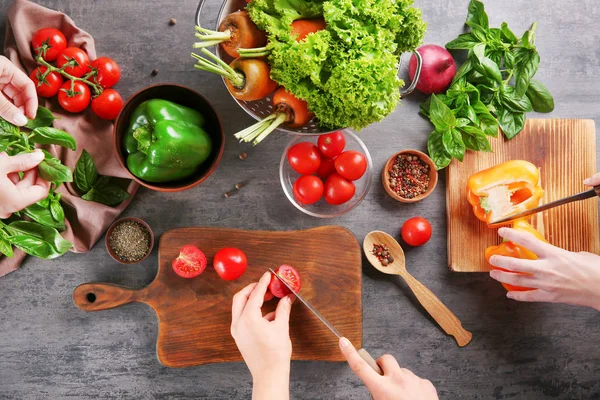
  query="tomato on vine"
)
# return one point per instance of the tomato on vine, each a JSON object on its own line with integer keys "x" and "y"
{"x": 108, "y": 104}
{"x": 75, "y": 60}
{"x": 49, "y": 43}
{"x": 74, "y": 97}
{"x": 107, "y": 72}
{"x": 46, "y": 85}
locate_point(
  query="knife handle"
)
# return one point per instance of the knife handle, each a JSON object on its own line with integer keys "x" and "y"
{"x": 370, "y": 360}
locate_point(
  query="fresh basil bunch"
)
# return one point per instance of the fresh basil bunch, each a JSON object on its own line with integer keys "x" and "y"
{"x": 493, "y": 87}
{"x": 39, "y": 235}
{"x": 100, "y": 189}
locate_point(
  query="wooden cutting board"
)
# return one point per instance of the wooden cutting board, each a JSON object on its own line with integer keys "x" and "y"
{"x": 194, "y": 315}
{"x": 565, "y": 152}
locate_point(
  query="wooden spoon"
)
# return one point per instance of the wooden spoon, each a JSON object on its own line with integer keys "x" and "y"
{"x": 442, "y": 315}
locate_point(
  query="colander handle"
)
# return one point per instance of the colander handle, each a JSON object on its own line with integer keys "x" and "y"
{"x": 413, "y": 84}
{"x": 199, "y": 11}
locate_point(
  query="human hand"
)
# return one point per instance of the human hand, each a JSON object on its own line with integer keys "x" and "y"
{"x": 263, "y": 341}
{"x": 396, "y": 383}
{"x": 557, "y": 276}
{"x": 593, "y": 181}
{"x": 16, "y": 193}
{"x": 18, "y": 98}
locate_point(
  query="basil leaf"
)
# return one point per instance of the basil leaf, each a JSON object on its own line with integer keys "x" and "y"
{"x": 8, "y": 129}
{"x": 37, "y": 240}
{"x": 464, "y": 69}
{"x": 540, "y": 97}
{"x": 4, "y": 144}
{"x": 477, "y": 14}
{"x": 453, "y": 143}
{"x": 5, "y": 246}
{"x": 52, "y": 170}
{"x": 478, "y": 31}
{"x": 476, "y": 78}
{"x": 107, "y": 193}
{"x": 475, "y": 139}
{"x": 43, "y": 117}
{"x": 513, "y": 102}
{"x": 472, "y": 115}
{"x": 56, "y": 210}
{"x": 528, "y": 38}
{"x": 510, "y": 122}
{"x": 487, "y": 122}
{"x": 460, "y": 122}
{"x": 47, "y": 135}
{"x": 527, "y": 63}
{"x": 436, "y": 150}
{"x": 509, "y": 59}
{"x": 42, "y": 215}
{"x": 86, "y": 173}
{"x": 508, "y": 36}
{"x": 440, "y": 114}
{"x": 479, "y": 51}
{"x": 490, "y": 69}
{"x": 466, "y": 41}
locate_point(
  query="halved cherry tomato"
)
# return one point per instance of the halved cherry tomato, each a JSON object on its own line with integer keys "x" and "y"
{"x": 75, "y": 100}
{"x": 308, "y": 189}
{"x": 230, "y": 263}
{"x": 326, "y": 168}
{"x": 78, "y": 58}
{"x": 338, "y": 190}
{"x": 190, "y": 263}
{"x": 351, "y": 165}
{"x": 292, "y": 278}
{"x": 107, "y": 70}
{"x": 304, "y": 158}
{"x": 49, "y": 85}
{"x": 416, "y": 231}
{"x": 332, "y": 144}
{"x": 49, "y": 42}
{"x": 108, "y": 104}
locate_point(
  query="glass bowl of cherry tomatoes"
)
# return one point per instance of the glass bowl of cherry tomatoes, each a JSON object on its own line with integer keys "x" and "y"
{"x": 326, "y": 176}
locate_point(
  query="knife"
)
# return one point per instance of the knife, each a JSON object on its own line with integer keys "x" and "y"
{"x": 576, "y": 197}
{"x": 362, "y": 352}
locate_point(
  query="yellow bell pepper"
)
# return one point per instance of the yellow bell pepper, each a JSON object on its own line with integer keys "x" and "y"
{"x": 509, "y": 249}
{"x": 503, "y": 190}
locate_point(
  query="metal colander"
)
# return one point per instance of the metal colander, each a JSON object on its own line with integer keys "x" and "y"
{"x": 260, "y": 109}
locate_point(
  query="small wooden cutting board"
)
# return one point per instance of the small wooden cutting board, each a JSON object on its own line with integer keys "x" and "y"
{"x": 565, "y": 152}
{"x": 194, "y": 315}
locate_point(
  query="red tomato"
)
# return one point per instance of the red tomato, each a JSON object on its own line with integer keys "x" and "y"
{"x": 75, "y": 100}
{"x": 268, "y": 296}
{"x": 292, "y": 278}
{"x": 48, "y": 42}
{"x": 416, "y": 231}
{"x": 108, "y": 104}
{"x": 190, "y": 263}
{"x": 230, "y": 263}
{"x": 50, "y": 85}
{"x": 308, "y": 189}
{"x": 338, "y": 190}
{"x": 326, "y": 168}
{"x": 107, "y": 71}
{"x": 351, "y": 165}
{"x": 78, "y": 58}
{"x": 332, "y": 144}
{"x": 304, "y": 157}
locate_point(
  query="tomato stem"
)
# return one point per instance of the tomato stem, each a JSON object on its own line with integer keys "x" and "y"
{"x": 261, "y": 129}
{"x": 51, "y": 68}
{"x": 255, "y": 52}
{"x": 209, "y": 37}
{"x": 219, "y": 67}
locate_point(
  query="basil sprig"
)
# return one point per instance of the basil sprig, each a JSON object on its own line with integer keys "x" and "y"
{"x": 494, "y": 88}
{"x": 100, "y": 189}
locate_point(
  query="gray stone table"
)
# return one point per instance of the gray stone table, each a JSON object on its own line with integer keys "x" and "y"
{"x": 49, "y": 349}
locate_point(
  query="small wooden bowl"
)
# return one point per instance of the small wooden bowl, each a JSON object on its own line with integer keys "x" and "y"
{"x": 433, "y": 176}
{"x": 112, "y": 228}
{"x": 186, "y": 97}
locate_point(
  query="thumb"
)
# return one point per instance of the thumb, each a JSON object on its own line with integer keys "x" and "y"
{"x": 32, "y": 194}
{"x": 283, "y": 310}
{"x": 22, "y": 162}
{"x": 593, "y": 181}
{"x": 357, "y": 364}
{"x": 9, "y": 112}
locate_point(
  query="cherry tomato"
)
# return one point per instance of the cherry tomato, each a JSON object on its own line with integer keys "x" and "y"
{"x": 78, "y": 57}
{"x": 108, "y": 104}
{"x": 75, "y": 100}
{"x": 268, "y": 296}
{"x": 308, "y": 189}
{"x": 190, "y": 263}
{"x": 332, "y": 144}
{"x": 290, "y": 275}
{"x": 107, "y": 70}
{"x": 351, "y": 165}
{"x": 416, "y": 231}
{"x": 48, "y": 42}
{"x": 50, "y": 85}
{"x": 304, "y": 157}
{"x": 338, "y": 190}
{"x": 326, "y": 168}
{"x": 230, "y": 263}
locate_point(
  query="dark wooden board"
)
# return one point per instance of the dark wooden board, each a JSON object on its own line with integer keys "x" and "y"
{"x": 194, "y": 315}
{"x": 565, "y": 152}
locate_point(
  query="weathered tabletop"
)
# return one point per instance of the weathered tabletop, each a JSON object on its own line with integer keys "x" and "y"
{"x": 50, "y": 349}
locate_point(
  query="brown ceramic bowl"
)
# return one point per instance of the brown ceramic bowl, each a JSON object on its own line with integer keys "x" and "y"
{"x": 186, "y": 97}
{"x": 433, "y": 176}
{"x": 110, "y": 231}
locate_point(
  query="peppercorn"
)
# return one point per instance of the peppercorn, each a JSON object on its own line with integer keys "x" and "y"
{"x": 172, "y": 21}
{"x": 154, "y": 72}
{"x": 243, "y": 156}
{"x": 130, "y": 241}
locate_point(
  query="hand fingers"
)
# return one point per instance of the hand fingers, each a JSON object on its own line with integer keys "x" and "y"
{"x": 16, "y": 78}
{"x": 593, "y": 181}
{"x": 9, "y": 112}
{"x": 20, "y": 162}
{"x": 14, "y": 177}
{"x": 515, "y": 279}
{"x": 357, "y": 364}
{"x": 270, "y": 316}
{"x": 42, "y": 183}
{"x": 516, "y": 264}
{"x": 29, "y": 178}
{"x": 282, "y": 312}
{"x": 257, "y": 296}
{"x": 388, "y": 364}
{"x": 528, "y": 241}
{"x": 239, "y": 302}
{"x": 531, "y": 295}
{"x": 31, "y": 194}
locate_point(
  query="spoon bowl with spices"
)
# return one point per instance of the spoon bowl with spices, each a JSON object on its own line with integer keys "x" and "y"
{"x": 129, "y": 240}
{"x": 409, "y": 176}
{"x": 386, "y": 255}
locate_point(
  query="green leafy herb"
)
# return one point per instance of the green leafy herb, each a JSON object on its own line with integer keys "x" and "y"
{"x": 47, "y": 135}
{"x": 437, "y": 151}
{"x": 52, "y": 170}
{"x": 540, "y": 97}
{"x": 8, "y": 129}
{"x": 5, "y": 246}
{"x": 100, "y": 189}
{"x": 453, "y": 143}
{"x": 56, "y": 209}
{"x": 86, "y": 173}
{"x": 37, "y": 240}
{"x": 43, "y": 118}
{"x": 42, "y": 214}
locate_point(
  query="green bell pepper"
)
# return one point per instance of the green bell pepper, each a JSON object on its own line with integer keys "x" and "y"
{"x": 165, "y": 141}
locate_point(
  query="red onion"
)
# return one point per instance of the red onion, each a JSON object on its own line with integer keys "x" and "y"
{"x": 438, "y": 69}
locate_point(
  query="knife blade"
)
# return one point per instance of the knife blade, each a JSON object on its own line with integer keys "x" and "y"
{"x": 576, "y": 197}
{"x": 362, "y": 352}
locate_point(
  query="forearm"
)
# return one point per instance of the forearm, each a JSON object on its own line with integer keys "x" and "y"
{"x": 272, "y": 386}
